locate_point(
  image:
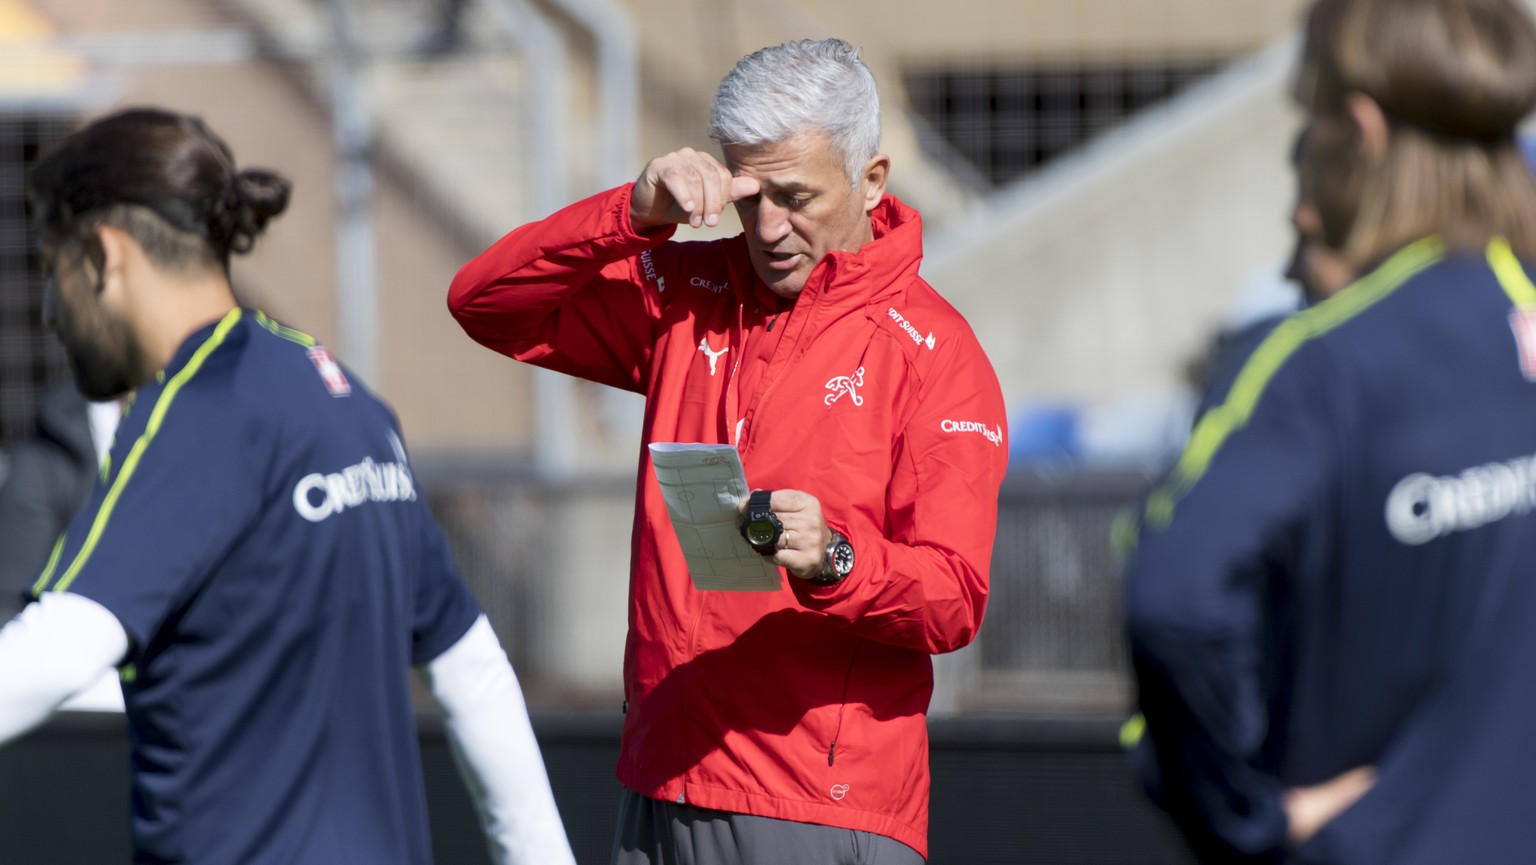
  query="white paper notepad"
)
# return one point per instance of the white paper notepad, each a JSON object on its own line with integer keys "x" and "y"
{"x": 703, "y": 486}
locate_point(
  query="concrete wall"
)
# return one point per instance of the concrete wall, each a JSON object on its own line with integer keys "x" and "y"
{"x": 988, "y": 31}
{"x": 449, "y": 392}
{"x": 1105, "y": 273}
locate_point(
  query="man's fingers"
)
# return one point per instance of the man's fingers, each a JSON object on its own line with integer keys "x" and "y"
{"x": 744, "y": 187}
{"x": 682, "y": 185}
{"x": 686, "y": 186}
{"x": 715, "y": 186}
{"x": 805, "y": 533}
{"x": 793, "y": 501}
{"x": 1309, "y": 809}
{"x": 1354, "y": 784}
{"x": 801, "y": 514}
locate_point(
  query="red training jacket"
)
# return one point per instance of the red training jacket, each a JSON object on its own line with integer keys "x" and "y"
{"x": 808, "y": 703}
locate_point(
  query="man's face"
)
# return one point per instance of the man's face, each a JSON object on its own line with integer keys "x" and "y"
{"x": 1320, "y": 271}
{"x": 1317, "y": 267}
{"x": 1332, "y": 168}
{"x": 103, "y": 354}
{"x": 805, "y": 209}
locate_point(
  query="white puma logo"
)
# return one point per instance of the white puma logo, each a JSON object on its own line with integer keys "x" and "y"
{"x": 711, "y": 353}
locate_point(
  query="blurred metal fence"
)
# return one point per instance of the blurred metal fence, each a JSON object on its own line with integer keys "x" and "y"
{"x": 1052, "y": 638}
{"x": 1051, "y": 642}
{"x": 29, "y": 358}
{"x": 1003, "y": 120}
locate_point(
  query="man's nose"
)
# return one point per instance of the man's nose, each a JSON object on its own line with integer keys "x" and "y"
{"x": 772, "y": 223}
{"x": 1306, "y": 219}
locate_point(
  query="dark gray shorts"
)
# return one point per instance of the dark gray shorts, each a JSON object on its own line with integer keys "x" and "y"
{"x": 653, "y": 832}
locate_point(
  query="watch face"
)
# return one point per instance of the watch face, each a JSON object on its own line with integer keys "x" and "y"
{"x": 842, "y": 558}
{"x": 761, "y": 534}
{"x": 761, "y": 527}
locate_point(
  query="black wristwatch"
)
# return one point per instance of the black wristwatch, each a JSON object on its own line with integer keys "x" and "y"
{"x": 836, "y": 562}
{"x": 761, "y": 527}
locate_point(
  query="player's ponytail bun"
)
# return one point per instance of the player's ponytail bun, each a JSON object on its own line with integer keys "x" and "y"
{"x": 241, "y": 213}
{"x": 163, "y": 177}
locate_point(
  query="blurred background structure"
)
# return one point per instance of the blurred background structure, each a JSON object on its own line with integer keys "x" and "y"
{"x": 1100, "y": 181}
{"x": 1104, "y": 183}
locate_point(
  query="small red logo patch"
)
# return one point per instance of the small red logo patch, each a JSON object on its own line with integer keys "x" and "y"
{"x": 330, "y": 371}
{"x": 1522, "y": 321}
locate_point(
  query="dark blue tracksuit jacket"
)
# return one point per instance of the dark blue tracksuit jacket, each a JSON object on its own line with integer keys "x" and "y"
{"x": 1341, "y": 571}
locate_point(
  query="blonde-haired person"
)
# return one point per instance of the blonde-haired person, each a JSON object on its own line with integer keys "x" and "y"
{"x": 1330, "y": 604}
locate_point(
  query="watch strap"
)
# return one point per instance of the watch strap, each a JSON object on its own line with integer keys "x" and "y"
{"x": 760, "y": 510}
{"x": 759, "y": 502}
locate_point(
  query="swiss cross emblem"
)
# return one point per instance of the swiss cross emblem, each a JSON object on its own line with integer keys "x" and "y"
{"x": 1522, "y": 320}
{"x": 330, "y": 371}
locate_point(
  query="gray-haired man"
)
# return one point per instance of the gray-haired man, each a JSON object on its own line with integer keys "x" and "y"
{"x": 784, "y": 726}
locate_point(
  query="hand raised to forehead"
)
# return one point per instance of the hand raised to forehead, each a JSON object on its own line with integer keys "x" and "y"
{"x": 685, "y": 186}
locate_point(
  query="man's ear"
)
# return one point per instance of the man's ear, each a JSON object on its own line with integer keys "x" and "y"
{"x": 1371, "y": 122}
{"x": 108, "y": 249}
{"x": 876, "y": 172}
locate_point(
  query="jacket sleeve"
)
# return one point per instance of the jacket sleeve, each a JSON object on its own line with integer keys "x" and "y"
{"x": 923, "y": 583}
{"x": 568, "y": 293}
{"x": 1214, "y": 536}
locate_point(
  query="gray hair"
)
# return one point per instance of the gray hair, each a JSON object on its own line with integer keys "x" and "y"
{"x": 810, "y": 85}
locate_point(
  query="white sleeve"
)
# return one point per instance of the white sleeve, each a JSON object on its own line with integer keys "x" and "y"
{"x": 104, "y": 695}
{"x": 52, "y": 650}
{"x": 492, "y": 741}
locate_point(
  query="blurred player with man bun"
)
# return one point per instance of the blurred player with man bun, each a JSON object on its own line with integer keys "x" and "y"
{"x": 255, "y": 557}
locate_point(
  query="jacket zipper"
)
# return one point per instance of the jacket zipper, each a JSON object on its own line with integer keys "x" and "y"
{"x": 842, "y": 705}
{"x": 767, "y": 385}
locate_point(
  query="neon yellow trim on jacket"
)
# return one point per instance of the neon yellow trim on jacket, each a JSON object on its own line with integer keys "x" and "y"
{"x": 285, "y": 331}
{"x": 1510, "y": 274}
{"x": 53, "y": 562}
{"x": 131, "y": 462}
{"x": 1218, "y": 423}
{"x": 1132, "y": 730}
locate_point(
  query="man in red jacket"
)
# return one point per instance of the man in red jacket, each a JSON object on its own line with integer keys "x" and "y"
{"x": 785, "y": 726}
